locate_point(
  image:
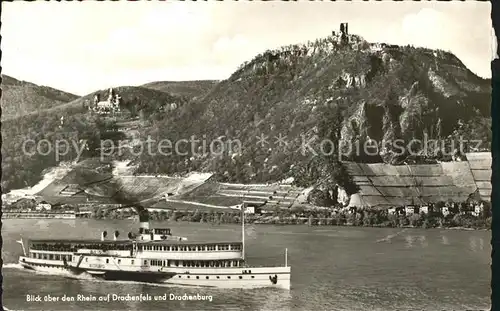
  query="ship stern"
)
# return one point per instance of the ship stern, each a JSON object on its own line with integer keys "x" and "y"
{"x": 23, "y": 262}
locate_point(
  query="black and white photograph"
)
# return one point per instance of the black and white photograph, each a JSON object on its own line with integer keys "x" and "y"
{"x": 171, "y": 155}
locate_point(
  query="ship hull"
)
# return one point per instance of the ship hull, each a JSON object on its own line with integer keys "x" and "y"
{"x": 242, "y": 277}
{"x": 278, "y": 277}
{"x": 45, "y": 268}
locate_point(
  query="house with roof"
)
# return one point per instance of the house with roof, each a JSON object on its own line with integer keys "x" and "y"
{"x": 43, "y": 206}
{"x": 71, "y": 190}
{"x": 410, "y": 210}
{"x": 396, "y": 211}
{"x": 424, "y": 209}
{"x": 445, "y": 210}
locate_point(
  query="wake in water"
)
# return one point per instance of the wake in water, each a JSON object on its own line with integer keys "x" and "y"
{"x": 19, "y": 267}
{"x": 63, "y": 273}
{"x": 390, "y": 236}
{"x": 12, "y": 266}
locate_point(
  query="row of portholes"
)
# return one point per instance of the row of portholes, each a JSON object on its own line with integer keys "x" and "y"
{"x": 222, "y": 247}
{"x": 51, "y": 256}
{"x": 218, "y": 277}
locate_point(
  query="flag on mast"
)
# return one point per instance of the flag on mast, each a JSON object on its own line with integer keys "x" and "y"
{"x": 243, "y": 230}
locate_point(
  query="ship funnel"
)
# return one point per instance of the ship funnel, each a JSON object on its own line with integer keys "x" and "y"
{"x": 115, "y": 236}
{"x": 103, "y": 235}
{"x": 144, "y": 224}
{"x": 143, "y": 220}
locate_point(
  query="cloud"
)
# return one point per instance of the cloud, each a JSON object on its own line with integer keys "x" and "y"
{"x": 426, "y": 28}
{"x": 178, "y": 18}
{"x": 231, "y": 50}
{"x": 494, "y": 45}
{"x": 224, "y": 44}
{"x": 462, "y": 32}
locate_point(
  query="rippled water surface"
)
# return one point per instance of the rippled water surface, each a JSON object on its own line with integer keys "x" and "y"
{"x": 333, "y": 268}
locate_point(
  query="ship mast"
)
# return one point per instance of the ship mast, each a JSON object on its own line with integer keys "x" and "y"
{"x": 243, "y": 230}
{"x": 22, "y": 245}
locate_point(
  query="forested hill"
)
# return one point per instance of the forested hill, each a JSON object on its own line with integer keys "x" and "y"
{"x": 348, "y": 92}
{"x": 187, "y": 89}
{"x": 73, "y": 122}
{"x": 21, "y": 97}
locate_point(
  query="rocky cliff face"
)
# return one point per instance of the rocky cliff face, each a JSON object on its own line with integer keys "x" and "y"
{"x": 287, "y": 99}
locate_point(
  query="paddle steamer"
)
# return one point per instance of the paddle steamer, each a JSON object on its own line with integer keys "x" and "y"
{"x": 156, "y": 256}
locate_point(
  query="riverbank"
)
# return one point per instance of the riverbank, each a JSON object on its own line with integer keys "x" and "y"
{"x": 365, "y": 218}
{"x": 38, "y": 215}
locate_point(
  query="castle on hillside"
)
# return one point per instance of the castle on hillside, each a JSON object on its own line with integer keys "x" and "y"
{"x": 344, "y": 34}
{"x": 111, "y": 105}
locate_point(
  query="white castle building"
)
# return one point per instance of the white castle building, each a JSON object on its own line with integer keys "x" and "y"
{"x": 111, "y": 105}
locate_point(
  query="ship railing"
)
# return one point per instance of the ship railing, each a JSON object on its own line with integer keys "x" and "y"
{"x": 90, "y": 252}
{"x": 51, "y": 249}
{"x": 163, "y": 268}
{"x": 262, "y": 266}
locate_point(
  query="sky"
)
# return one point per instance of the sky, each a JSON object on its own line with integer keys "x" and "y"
{"x": 80, "y": 47}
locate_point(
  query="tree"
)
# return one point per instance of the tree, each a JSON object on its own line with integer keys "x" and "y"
{"x": 416, "y": 220}
{"x": 403, "y": 221}
{"x": 174, "y": 215}
{"x": 196, "y": 216}
{"x": 327, "y": 166}
{"x": 203, "y": 217}
{"x": 163, "y": 215}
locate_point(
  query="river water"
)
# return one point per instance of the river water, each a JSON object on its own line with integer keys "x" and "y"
{"x": 333, "y": 268}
